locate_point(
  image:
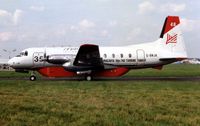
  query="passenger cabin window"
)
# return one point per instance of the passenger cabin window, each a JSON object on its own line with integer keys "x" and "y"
{"x": 121, "y": 55}
{"x": 129, "y": 55}
{"x": 113, "y": 55}
{"x": 105, "y": 56}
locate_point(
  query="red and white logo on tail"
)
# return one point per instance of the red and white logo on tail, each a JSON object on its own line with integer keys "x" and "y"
{"x": 171, "y": 38}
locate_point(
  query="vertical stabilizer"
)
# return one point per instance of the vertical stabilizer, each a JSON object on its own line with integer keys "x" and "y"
{"x": 171, "y": 40}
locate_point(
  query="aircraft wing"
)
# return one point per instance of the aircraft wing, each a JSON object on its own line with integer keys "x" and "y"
{"x": 88, "y": 57}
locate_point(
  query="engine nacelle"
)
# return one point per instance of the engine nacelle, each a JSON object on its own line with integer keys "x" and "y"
{"x": 58, "y": 59}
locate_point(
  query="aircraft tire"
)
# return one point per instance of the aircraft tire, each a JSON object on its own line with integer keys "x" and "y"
{"x": 32, "y": 78}
{"x": 88, "y": 78}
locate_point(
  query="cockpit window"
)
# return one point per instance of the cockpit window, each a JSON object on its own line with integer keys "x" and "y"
{"x": 26, "y": 53}
{"x": 23, "y": 54}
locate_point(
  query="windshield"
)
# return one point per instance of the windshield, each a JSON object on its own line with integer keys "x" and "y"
{"x": 25, "y": 53}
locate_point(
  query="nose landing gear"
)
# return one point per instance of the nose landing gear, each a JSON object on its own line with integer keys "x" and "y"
{"x": 32, "y": 77}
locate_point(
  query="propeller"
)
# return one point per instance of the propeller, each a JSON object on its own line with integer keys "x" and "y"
{"x": 45, "y": 53}
{"x": 45, "y": 57}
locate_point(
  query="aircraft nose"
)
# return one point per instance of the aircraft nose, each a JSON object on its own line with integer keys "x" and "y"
{"x": 11, "y": 62}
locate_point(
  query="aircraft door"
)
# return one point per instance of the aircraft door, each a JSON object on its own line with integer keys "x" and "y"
{"x": 140, "y": 57}
{"x": 37, "y": 59}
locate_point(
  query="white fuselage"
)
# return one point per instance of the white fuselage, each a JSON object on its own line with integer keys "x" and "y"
{"x": 133, "y": 56}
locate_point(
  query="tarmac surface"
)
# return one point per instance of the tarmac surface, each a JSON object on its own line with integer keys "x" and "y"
{"x": 197, "y": 78}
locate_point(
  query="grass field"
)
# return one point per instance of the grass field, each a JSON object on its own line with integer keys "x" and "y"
{"x": 102, "y": 103}
{"x": 173, "y": 70}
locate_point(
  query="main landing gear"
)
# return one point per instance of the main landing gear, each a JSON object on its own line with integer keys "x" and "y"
{"x": 88, "y": 77}
{"x": 32, "y": 77}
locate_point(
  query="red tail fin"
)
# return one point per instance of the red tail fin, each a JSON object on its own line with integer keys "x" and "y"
{"x": 170, "y": 23}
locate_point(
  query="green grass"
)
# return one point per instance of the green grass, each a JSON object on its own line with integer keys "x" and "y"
{"x": 99, "y": 103}
{"x": 173, "y": 70}
{"x": 102, "y": 103}
{"x": 12, "y": 74}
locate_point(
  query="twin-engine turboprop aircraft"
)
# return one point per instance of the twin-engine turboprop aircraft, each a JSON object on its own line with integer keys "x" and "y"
{"x": 90, "y": 60}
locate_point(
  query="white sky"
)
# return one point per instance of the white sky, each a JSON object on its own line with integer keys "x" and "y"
{"x": 34, "y": 23}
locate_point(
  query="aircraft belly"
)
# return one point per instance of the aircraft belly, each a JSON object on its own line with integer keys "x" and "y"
{"x": 61, "y": 72}
{"x": 55, "y": 72}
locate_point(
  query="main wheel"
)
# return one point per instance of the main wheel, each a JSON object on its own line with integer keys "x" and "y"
{"x": 88, "y": 78}
{"x": 32, "y": 78}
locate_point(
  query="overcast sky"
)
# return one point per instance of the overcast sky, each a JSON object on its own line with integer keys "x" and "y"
{"x": 35, "y": 23}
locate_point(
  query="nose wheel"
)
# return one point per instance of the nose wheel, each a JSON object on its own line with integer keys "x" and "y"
{"x": 32, "y": 78}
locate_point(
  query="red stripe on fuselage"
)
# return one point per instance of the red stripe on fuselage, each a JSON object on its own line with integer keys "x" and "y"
{"x": 55, "y": 72}
{"x": 61, "y": 72}
{"x": 112, "y": 72}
